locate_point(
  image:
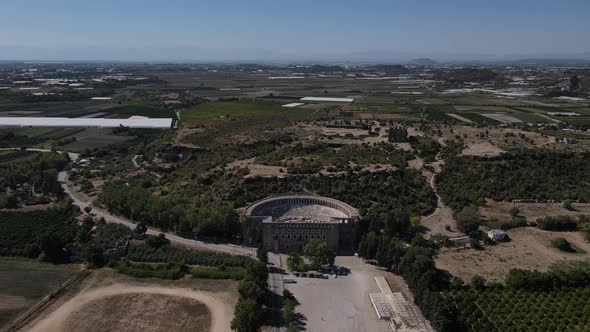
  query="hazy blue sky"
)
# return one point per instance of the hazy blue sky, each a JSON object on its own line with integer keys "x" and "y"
{"x": 282, "y": 29}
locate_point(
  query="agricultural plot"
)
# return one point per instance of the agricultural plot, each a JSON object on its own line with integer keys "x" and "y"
{"x": 478, "y": 118}
{"x": 139, "y": 110}
{"x": 91, "y": 138}
{"x": 16, "y": 156}
{"x": 523, "y": 310}
{"x": 502, "y": 117}
{"x": 232, "y": 109}
{"x": 530, "y": 117}
{"x": 459, "y": 117}
{"x": 24, "y": 282}
{"x": 463, "y": 108}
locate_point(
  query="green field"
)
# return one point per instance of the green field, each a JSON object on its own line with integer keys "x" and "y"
{"x": 12, "y": 156}
{"x": 238, "y": 108}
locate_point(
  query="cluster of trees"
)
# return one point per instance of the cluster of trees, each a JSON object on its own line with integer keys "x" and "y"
{"x": 576, "y": 274}
{"x": 536, "y": 175}
{"x": 375, "y": 194}
{"x": 318, "y": 254}
{"x": 34, "y": 168}
{"x": 561, "y": 223}
{"x": 148, "y": 270}
{"x": 169, "y": 212}
{"x": 426, "y": 148}
{"x": 218, "y": 272}
{"x": 10, "y": 139}
{"x": 336, "y": 159}
{"x": 249, "y": 313}
{"x": 53, "y": 235}
{"x": 49, "y": 234}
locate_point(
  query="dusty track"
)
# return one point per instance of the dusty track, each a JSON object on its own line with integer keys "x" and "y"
{"x": 56, "y": 320}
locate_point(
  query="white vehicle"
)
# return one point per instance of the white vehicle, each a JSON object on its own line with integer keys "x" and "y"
{"x": 289, "y": 280}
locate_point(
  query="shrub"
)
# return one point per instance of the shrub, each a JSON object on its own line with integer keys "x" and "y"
{"x": 559, "y": 223}
{"x": 562, "y": 244}
{"x": 143, "y": 270}
{"x": 210, "y": 272}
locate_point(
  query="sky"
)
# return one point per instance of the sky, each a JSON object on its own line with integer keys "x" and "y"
{"x": 305, "y": 30}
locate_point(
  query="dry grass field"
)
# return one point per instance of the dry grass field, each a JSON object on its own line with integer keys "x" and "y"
{"x": 532, "y": 211}
{"x": 497, "y": 139}
{"x": 528, "y": 249}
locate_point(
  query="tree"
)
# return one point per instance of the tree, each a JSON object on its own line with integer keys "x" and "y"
{"x": 288, "y": 311}
{"x": 295, "y": 262}
{"x": 140, "y": 228}
{"x": 262, "y": 254}
{"x": 250, "y": 290}
{"x": 87, "y": 209}
{"x": 514, "y": 212}
{"x": 319, "y": 254}
{"x": 85, "y": 184}
{"x": 157, "y": 241}
{"x": 468, "y": 220}
{"x": 257, "y": 272}
{"x": 562, "y": 244}
{"x": 585, "y": 228}
{"x": 478, "y": 283}
{"x": 52, "y": 248}
{"x": 567, "y": 204}
{"x": 92, "y": 255}
{"x": 248, "y": 316}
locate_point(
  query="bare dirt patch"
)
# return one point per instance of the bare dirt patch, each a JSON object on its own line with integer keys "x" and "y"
{"x": 483, "y": 149}
{"x": 460, "y": 118}
{"x": 528, "y": 249}
{"x": 219, "y": 296}
{"x": 257, "y": 169}
{"x": 81, "y": 311}
{"x": 142, "y": 312}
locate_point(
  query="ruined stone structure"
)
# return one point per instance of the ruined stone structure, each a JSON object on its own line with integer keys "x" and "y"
{"x": 398, "y": 135}
{"x": 287, "y": 222}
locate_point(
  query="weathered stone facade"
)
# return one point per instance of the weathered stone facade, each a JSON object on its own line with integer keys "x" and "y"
{"x": 287, "y": 222}
{"x": 398, "y": 135}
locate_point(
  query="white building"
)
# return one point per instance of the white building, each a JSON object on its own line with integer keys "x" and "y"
{"x": 497, "y": 235}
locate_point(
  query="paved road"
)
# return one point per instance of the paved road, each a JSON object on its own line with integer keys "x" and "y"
{"x": 225, "y": 248}
{"x": 276, "y": 287}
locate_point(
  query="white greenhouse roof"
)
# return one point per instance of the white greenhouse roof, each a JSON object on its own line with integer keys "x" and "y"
{"x": 328, "y": 99}
{"x": 293, "y": 105}
{"x": 162, "y": 123}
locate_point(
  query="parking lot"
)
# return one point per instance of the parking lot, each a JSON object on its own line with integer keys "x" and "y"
{"x": 342, "y": 303}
